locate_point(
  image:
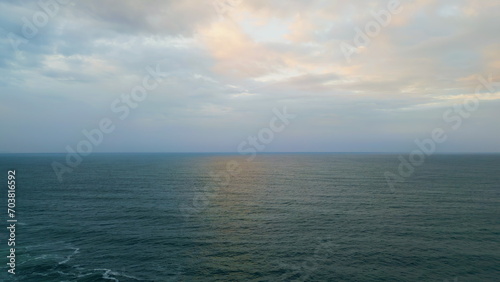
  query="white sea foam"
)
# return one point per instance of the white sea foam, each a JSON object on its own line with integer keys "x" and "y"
{"x": 76, "y": 251}
{"x": 108, "y": 273}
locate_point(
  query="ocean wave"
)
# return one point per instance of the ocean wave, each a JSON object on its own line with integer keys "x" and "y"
{"x": 108, "y": 274}
{"x": 76, "y": 251}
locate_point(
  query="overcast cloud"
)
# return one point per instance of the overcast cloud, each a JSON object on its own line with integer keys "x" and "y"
{"x": 227, "y": 69}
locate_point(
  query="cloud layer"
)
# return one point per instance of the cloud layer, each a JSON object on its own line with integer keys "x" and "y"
{"x": 229, "y": 63}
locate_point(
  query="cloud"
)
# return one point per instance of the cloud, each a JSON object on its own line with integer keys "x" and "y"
{"x": 226, "y": 72}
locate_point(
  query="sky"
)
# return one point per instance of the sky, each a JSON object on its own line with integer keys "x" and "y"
{"x": 357, "y": 76}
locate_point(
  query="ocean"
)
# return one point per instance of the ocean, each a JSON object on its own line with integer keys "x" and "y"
{"x": 279, "y": 217}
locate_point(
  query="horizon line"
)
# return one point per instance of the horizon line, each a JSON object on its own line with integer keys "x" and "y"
{"x": 284, "y": 152}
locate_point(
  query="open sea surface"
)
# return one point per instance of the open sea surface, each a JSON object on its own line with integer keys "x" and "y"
{"x": 280, "y": 217}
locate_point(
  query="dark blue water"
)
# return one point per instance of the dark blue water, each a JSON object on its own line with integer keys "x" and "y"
{"x": 280, "y": 217}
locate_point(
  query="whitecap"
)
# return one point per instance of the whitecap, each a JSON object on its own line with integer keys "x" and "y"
{"x": 76, "y": 251}
{"x": 108, "y": 273}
